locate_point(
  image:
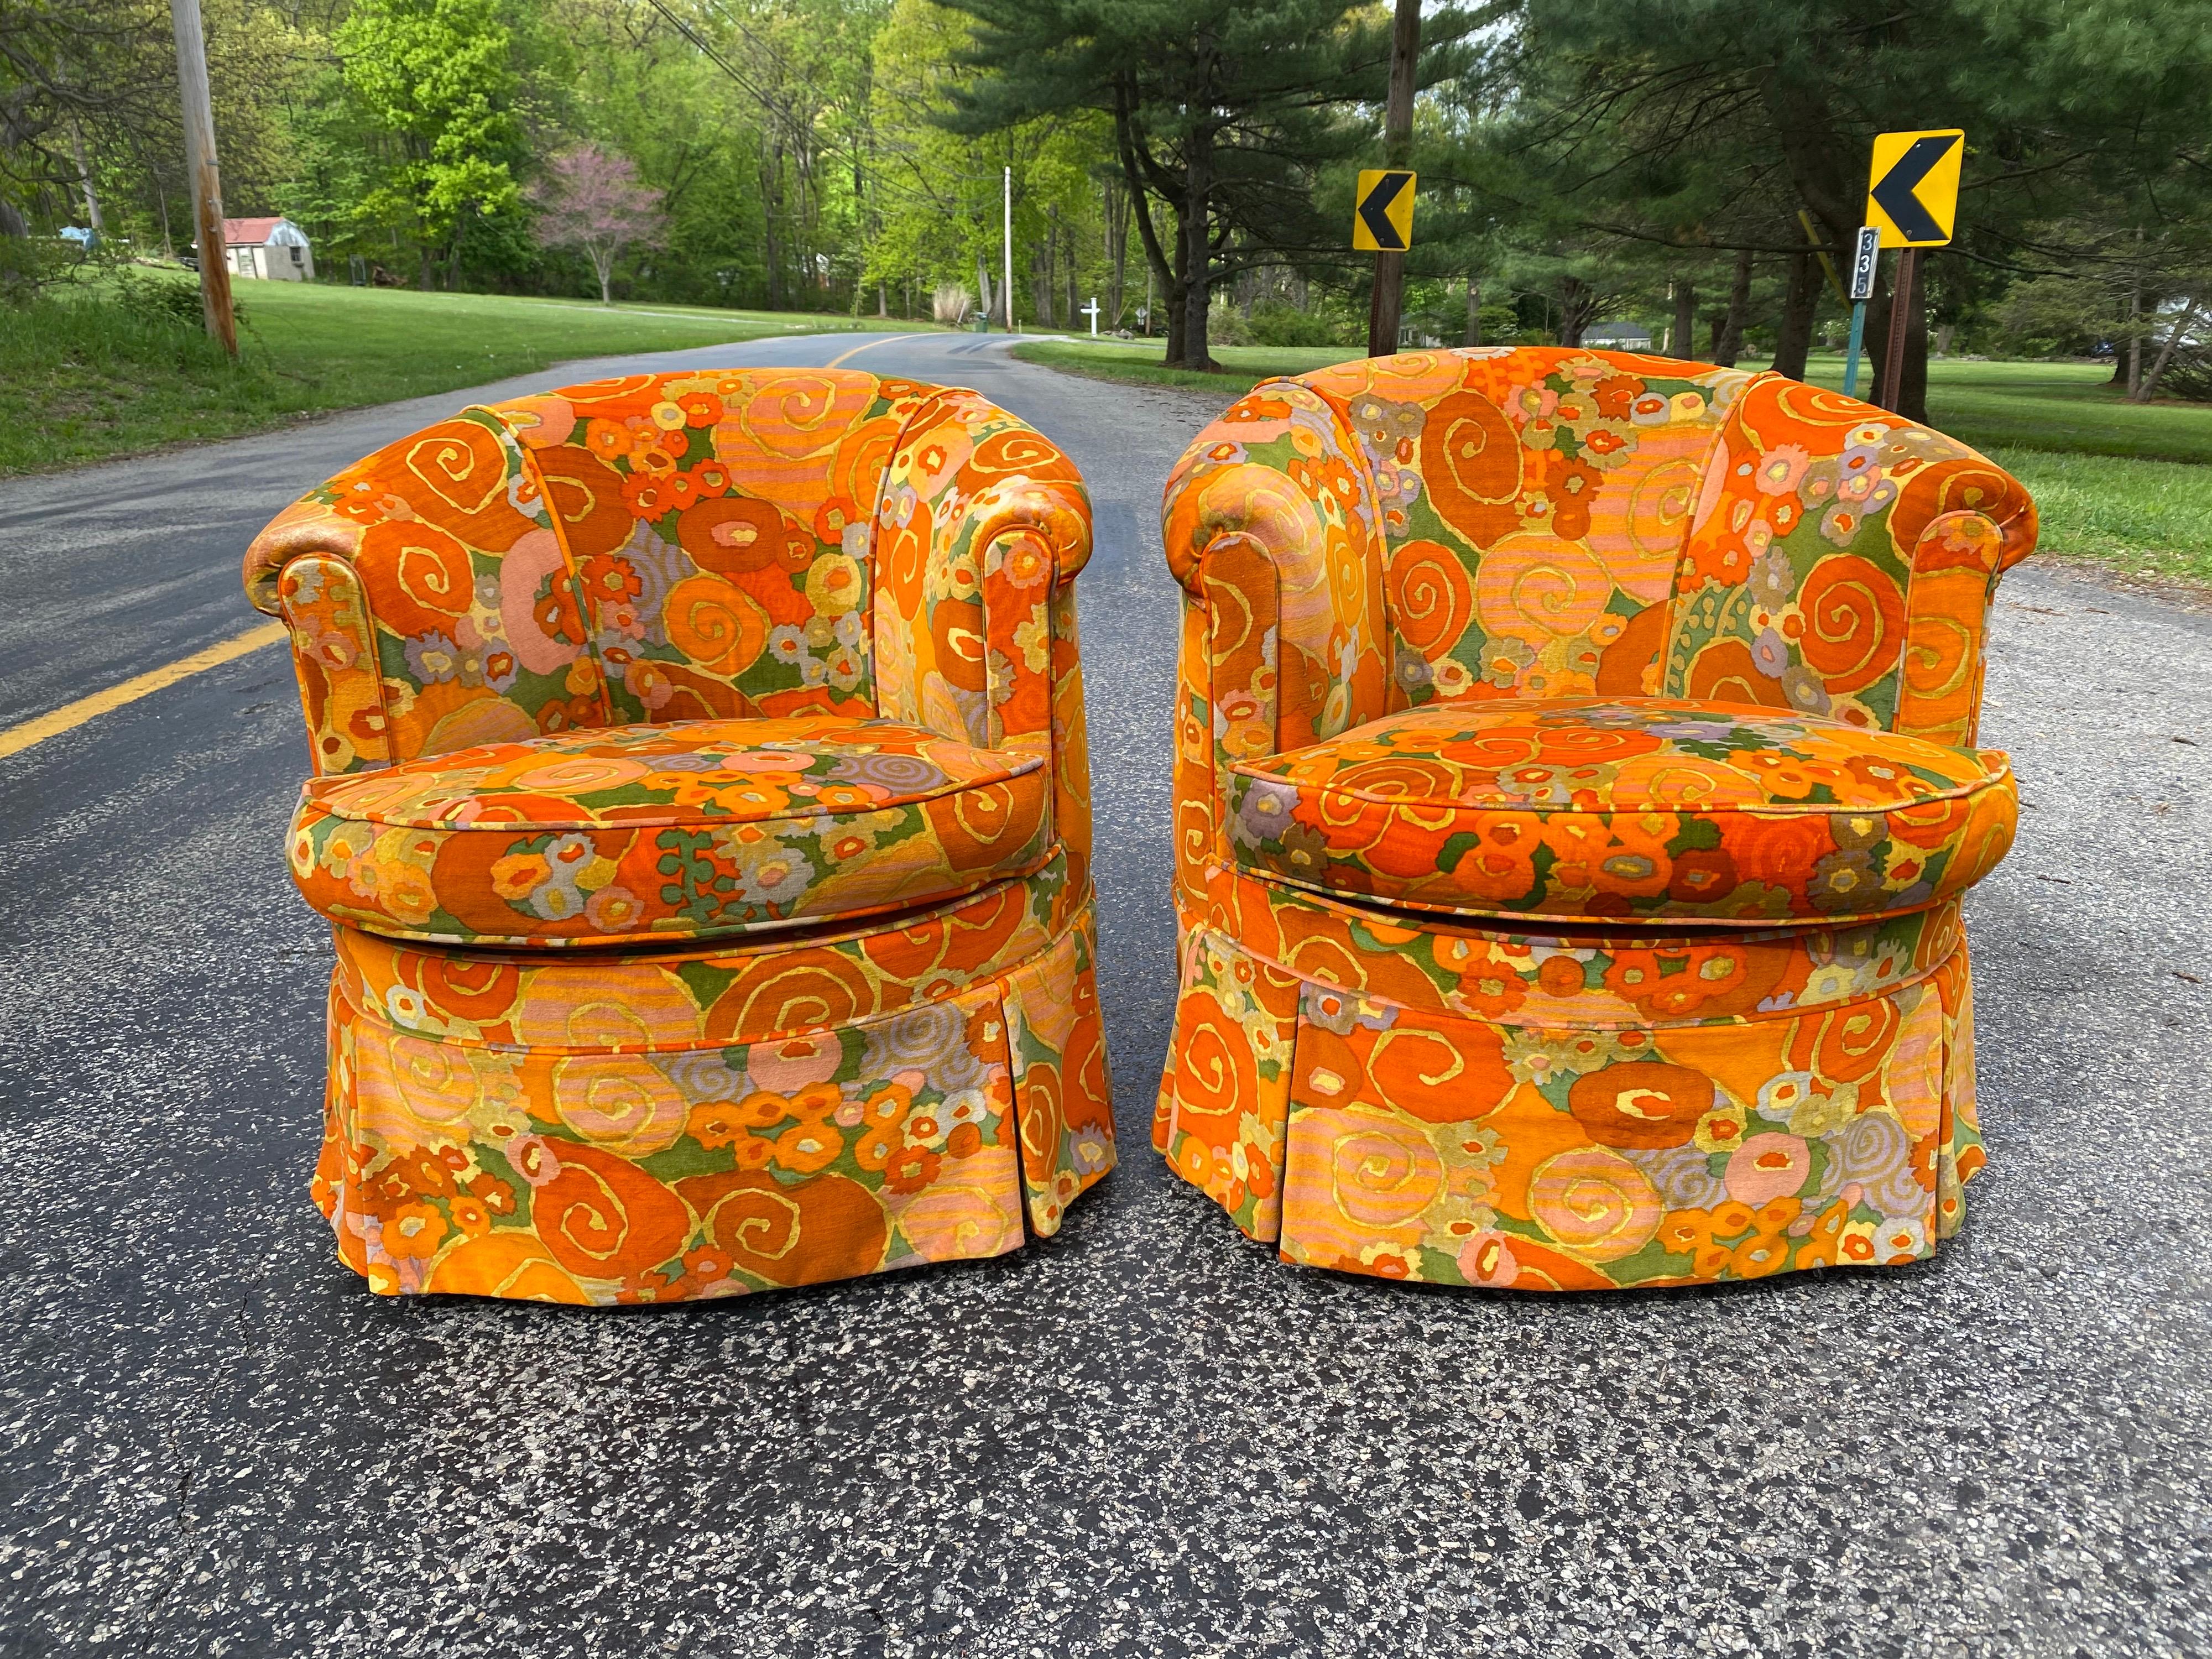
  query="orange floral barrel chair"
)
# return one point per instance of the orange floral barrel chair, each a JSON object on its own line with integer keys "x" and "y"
{"x": 1575, "y": 791}
{"x": 700, "y": 810}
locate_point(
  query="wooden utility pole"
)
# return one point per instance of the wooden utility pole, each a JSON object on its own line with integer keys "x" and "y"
{"x": 207, "y": 181}
{"x": 1388, "y": 306}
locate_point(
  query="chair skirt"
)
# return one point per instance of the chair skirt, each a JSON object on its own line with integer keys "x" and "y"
{"x": 1570, "y": 1107}
{"x": 600, "y": 1128}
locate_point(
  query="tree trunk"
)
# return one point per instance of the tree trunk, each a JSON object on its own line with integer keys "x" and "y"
{"x": 1044, "y": 265}
{"x": 771, "y": 206}
{"x": 1171, "y": 303}
{"x": 1117, "y": 249}
{"x": 983, "y": 289}
{"x": 1195, "y": 222}
{"x": 1158, "y": 266}
{"x": 1795, "y": 341}
{"x": 2132, "y": 374}
{"x": 1728, "y": 334}
{"x": 2149, "y": 389}
{"x": 84, "y": 180}
{"x": 1682, "y": 337}
{"x": 1577, "y": 309}
{"x": 1473, "y": 310}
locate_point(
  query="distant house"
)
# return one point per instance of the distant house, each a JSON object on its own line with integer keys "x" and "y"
{"x": 276, "y": 249}
{"x": 1617, "y": 336}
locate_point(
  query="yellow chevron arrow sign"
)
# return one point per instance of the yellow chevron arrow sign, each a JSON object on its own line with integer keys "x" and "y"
{"x": 1383, "y": 221}
{"x": 1912, "y": 190}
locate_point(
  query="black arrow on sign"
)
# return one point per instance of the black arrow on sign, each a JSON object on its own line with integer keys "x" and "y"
{"x": 1894, "y": 197}
{"x": 1375, "y": 210}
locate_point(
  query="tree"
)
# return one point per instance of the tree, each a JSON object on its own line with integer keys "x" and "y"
{"x": 592, "y": 201}
{"x": 1227, "y": 111}
{"x": 434, "y": 76}
{"x": 1703, "y": 127}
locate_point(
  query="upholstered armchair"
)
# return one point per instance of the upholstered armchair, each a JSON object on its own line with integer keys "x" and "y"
{"x": 701, "y": 811}
{"x": 1575, "y": 794}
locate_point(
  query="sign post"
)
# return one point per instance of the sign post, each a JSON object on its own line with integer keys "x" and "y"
{"x": 1865, "y": 256}
{"x": 1913, "y": 203}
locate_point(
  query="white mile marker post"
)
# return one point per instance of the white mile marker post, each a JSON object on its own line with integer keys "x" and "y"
{"x": 1863, "y": 260}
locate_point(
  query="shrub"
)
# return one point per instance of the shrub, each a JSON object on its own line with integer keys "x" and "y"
{"x": 1225, "y": 326}
{"x": 1287, "y": 325}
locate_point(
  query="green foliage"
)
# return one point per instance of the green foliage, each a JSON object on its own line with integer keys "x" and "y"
{"x": 435, "y": 77}
{"x": 2051, "y": 316}
{"x": 1229, "y": 111}
{"x": 1311, "y": 325}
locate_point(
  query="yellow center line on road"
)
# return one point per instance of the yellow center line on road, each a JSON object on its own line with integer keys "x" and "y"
{"x": 841, "y": 360}
{"x": 16, "y": 739}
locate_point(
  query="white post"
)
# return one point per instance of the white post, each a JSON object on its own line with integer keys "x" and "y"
{"x": 1092, "y": 312}
{"x": 1010, "y": 251}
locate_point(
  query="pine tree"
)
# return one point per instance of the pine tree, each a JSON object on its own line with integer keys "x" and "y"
{"x": 1224, "y": 110}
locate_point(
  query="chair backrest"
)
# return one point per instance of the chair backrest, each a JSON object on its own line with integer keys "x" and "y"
{"x": 641, "y": 550}
{"x": 1556, "y": 521}
{"x": 1533, "y": 505}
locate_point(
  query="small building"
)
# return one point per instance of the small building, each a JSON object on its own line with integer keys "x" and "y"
{"x": 273, "y": 249}
{"x": 1617, "y": 336}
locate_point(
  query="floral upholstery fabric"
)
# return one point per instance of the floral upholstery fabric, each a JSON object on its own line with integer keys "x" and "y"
{"x": 647, "y": 833}
{"x": 1572, "y": 1112}
{"x": 656, "y": 1127}
{"x": 1578, "y": 807}
{"x": 780, "y": 662}
{"x": 1576, "y": 640}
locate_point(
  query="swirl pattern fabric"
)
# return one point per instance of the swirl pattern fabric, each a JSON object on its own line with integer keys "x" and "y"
{"x": 1676, "y": 668}
{"x": 669, "y": 1127}
{"x": 763, "y": 687}
{"x": 1626, "y": 807}
{"x": 650, "y": 833}
{"x": 1568, "y": 1113}
{"x": 1840, "y": 563}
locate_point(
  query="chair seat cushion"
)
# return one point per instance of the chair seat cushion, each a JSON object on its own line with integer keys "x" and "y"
{"x": 696, "y": 830}
{"x": 1626, "y": 807}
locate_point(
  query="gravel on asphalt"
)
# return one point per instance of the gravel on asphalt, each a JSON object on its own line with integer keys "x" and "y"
{"x": 1144, "y": 1436}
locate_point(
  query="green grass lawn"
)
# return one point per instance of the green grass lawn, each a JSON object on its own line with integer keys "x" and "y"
{"x": 85, "y": 378}
{"x": 2065, "y": 408}
{"x": 2125, "y": 485}
{"x": 2140, "y": 518}
{"x": 1139, "y": 361}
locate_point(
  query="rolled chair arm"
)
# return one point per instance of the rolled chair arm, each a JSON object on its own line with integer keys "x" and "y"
{"x": 301, "y": 568}
{"x": 981, "y": 526}
{"x": 1271, "y": 528}
{"x": 1841, "y": 561}
{"x": 1270, "y": 522}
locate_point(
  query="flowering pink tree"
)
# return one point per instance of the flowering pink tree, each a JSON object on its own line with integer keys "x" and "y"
{"x": 592, "y": 201}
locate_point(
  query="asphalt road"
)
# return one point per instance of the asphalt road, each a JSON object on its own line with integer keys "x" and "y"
{"x": 1144, "y": 1436}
